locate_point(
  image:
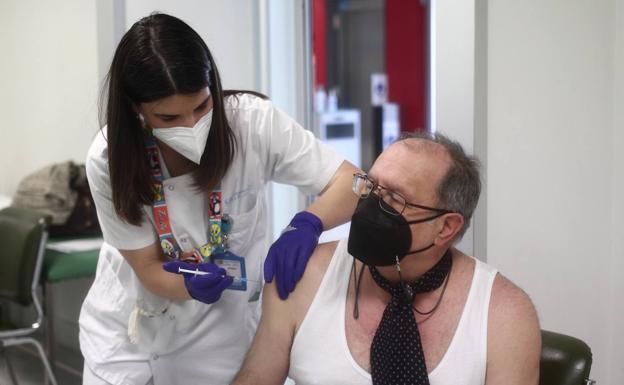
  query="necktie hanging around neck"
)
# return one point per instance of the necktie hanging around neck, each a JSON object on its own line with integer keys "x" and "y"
{"x": 396, "y": 353}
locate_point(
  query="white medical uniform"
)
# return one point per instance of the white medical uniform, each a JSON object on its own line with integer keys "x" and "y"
{"x": 189, "y": 342}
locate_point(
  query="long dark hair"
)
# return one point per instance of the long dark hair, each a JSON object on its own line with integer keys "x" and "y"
{"x": 158, "y": 57}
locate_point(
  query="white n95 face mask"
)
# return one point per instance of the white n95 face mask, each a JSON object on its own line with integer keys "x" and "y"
{"x": 187, "y": 141}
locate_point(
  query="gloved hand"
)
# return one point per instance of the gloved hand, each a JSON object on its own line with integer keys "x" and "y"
{"x": 205, "y": 288}
{"x": 289, "y": 255}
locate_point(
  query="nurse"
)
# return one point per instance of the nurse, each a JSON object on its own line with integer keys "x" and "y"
{"x": 178, "y": 175}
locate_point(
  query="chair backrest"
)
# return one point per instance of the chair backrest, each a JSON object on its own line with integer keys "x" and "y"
{"x": 565, "y": 360}
{"x": 21, "y": 235}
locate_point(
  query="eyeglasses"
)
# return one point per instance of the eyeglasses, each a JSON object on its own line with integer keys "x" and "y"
{"x": 391, "y": 202}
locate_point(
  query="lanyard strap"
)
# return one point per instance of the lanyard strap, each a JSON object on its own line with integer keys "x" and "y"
{"x": 218, "y": 226}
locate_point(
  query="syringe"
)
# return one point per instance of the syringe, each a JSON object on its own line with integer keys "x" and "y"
{"x": 199, "y": 272}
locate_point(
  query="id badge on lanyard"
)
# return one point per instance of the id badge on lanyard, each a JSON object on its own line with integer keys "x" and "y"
{"x": 219, "y": 226}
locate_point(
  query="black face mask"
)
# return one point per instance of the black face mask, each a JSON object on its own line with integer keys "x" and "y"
{"x": 377, "y": 238}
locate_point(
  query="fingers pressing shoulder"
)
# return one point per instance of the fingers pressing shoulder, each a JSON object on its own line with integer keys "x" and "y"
{"x": 298, "y": 302}
{"x": 312, "y": 277}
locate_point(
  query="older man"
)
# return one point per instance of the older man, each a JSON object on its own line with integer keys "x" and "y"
{"x": 397, "y": 303}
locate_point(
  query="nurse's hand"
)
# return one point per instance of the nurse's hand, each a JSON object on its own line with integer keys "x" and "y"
{"x": 206, "y": 285}
{"x": 289, "y": 255}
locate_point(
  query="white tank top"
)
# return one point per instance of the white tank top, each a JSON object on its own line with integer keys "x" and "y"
{"x": 320, "y": 354}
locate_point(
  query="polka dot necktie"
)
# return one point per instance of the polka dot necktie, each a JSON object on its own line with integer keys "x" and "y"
{"x": 396, "y": 353}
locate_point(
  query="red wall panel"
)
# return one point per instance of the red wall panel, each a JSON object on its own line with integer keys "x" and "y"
{"x": 406, "y": 60}
{"x": 319, "y": 43}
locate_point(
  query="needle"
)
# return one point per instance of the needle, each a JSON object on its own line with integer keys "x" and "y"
{"x": 199, "y": 272}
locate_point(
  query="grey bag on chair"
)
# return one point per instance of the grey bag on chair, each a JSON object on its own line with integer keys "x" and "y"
{"x": 61, "y": 191}
{"x": 49, "y": 191}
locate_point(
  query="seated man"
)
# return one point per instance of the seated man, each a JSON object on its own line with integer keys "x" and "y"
{"x": 397, "y": 303}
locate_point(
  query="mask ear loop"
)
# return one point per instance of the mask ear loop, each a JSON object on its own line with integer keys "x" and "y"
{"x": 357, "y": 280}
{"x": 409, "y": 294}
{"x": 435, "y": 307}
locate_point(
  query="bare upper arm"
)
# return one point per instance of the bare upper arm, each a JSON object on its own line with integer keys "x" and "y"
{"x": 268, "y": 359}
{"x": 336, "y": 203}
{"x": 514, "y": 336}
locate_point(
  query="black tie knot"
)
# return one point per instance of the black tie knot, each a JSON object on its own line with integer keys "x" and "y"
{"x": 429, "y": 281}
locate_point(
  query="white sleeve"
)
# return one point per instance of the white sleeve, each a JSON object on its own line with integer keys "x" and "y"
{"x": 117, "y": 232}
{"x": 293, "y": 154}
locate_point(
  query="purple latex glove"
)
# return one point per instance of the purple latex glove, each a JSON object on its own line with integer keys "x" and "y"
{"x": 289, "y": 255}
{"x": 205, "y": 288}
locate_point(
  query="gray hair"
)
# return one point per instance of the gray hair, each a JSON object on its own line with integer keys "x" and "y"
{"x": 460, "y": 188}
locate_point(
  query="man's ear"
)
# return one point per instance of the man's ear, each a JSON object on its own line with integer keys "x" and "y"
{"x": 451, "y": 224}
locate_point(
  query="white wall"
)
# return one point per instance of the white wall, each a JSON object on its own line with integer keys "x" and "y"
{"x": 554, "y": 170}
{"x": 285, "y": 72}
{"x": 49, "y": 85}
{"x": 615, "y": 373}
{"x": 111, "y": 25}
{"x": 453, "y": 52}
{"x": 452, "y": 48}
{"x": 227, "y": 27}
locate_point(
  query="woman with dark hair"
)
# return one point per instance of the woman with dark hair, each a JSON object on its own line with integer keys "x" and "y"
{"x": 178, "y": 175}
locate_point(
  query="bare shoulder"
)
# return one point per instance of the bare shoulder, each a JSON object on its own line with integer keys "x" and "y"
{"x": 512, "y": 314}
{"x": 514, "y": 336}
{"x": 312, "y": 277}
{"x": 319, "y": 261}
{"x": 314, "y": 271}
{"x": 510, "y": 300}
{"x": 296, "y": 305}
